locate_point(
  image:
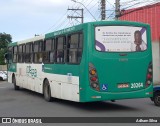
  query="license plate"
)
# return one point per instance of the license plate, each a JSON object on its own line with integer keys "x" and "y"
{"x": 125, "y": 85}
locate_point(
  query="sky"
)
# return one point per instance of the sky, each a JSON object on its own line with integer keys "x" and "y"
{"x": 25, "y": 18}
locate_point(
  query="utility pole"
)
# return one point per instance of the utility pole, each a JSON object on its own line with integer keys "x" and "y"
{"x": 81, "y": 17}
{"x": 117, "y": 9}
{"x": 103, "y": 9}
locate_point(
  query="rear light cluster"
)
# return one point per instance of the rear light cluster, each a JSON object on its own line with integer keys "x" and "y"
{"x": 149, "y": 76}
{"x": 93, "y": 77}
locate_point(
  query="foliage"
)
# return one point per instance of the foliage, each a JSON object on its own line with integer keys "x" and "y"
{"x": 5, "y": 39}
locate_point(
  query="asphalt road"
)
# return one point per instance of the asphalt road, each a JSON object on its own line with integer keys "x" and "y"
{"x": 24, "y": 103}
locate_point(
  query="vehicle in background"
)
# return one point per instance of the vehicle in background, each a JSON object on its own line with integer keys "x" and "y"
{"x": 156, "y": 95}
{"x": 3, "y": 75}
{"x": 5, "y": 72}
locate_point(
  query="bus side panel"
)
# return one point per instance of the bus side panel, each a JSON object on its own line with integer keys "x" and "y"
{"x": 64, "y": 81}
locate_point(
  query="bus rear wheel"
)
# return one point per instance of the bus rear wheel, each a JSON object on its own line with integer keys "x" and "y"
{"x": 156, "y": 99}
{"x": 14, "y": 83}
{"x": 47, "y": 91}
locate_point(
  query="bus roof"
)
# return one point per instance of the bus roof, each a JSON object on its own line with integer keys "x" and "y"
{"x": 76, "y": 28}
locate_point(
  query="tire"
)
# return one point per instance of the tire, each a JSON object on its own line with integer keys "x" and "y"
{"x": 47, "y": 91}
{"x": 156, "y": 99}
{"x": 14, "y": 83}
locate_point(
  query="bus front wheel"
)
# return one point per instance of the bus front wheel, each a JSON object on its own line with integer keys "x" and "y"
{"x": 47, "y": 91}
{"x": 14, "y": 83}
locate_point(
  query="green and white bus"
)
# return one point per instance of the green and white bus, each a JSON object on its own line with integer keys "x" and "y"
{"x": 94, "y": 61}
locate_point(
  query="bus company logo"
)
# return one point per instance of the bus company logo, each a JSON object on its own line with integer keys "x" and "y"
{"x": 31, "y": 72}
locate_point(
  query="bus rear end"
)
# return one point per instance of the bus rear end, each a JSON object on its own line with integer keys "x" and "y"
{"x": 120, "y": 62}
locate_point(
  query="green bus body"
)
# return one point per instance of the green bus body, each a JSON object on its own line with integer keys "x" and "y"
{"x": 113, "y": 69}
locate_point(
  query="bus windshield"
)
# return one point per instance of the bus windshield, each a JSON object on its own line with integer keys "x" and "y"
{"x": 120, "y": 38}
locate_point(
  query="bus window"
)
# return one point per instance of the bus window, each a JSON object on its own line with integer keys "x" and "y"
{"x": 38, "y": 54}
{"x": 47, "y": 47}
{"x": 29, "y": 54}
{"x": 60, "y": 50}
{"x": 15, "y": 54}
{"x": 40, "y": 46}
{"x": 52, "y": 52}
{"x": 75, "y": 48}
{"x": 80, "y": 40}
{"x": 23, "y": 52}
{"x": 36, "y": 46}
{"x": 20, "y": 54}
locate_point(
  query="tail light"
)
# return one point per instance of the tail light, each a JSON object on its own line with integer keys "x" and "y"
{"x": 149, "y": 76}
{"x": 93, "y": 77}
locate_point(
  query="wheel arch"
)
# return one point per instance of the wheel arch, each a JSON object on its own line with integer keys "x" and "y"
{"x": 157, "y": 92}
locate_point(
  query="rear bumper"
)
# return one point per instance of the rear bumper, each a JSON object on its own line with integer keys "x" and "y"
{"x": 92, "y": 95}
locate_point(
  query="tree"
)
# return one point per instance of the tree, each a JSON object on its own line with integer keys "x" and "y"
{"x": 5, "y": 39}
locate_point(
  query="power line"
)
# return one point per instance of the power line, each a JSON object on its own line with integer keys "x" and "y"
{"x": 85, "y": 8}
{"x": 91, "y": 7}
{"x": 139, "y": 8}
{"x": 124, "y": 3}
{"x": 110, "y": 4}
{"x": 147, "y": 2}
{"x": 57, "y": 22}
{"x": 76, "y": 17}
{"x": 60, "y": 21}
{"x": 140, "y": 3}
{"x": 88, "y": 5}
{"x": 78, "y": 6}
{"x": 110, "y": 15}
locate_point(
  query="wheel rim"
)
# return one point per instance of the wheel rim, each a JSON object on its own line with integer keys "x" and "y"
{"x": 158, "y": 100}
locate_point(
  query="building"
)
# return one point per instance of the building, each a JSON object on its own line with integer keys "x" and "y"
{"x": 148, "y": 14}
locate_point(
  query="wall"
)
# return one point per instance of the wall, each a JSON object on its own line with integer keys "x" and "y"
{"x": 146, "y": 14}
{"x": 156, "y": 62}
{"x": 3, "y": 67}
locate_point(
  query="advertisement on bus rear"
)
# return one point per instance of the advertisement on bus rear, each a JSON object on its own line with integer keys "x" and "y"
{"x": 120, "y": 39}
